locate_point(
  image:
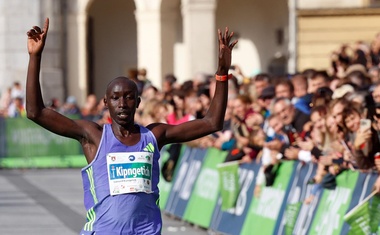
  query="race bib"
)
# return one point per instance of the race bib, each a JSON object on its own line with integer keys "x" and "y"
{"x": 130, "y": 172}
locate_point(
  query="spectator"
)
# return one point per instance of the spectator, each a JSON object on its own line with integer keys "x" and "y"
{"x": 317, "y": 80}
{"x": 154, "y": 111}
{"x": 70, "y": 107}
{"x": 361, "y": 54}
{"x": 17, "y": 91}
{"x": 376, "y": 124}
{"x": 336, "y": 109}
{"x": 199, "y": 80}
{"x": 54, "y": 104}
{"x": 340, "y": 60}
{"x": 357, "y": 74}
{"x": 142, "y": 76}
{"x": 292, "y": 118}
{"x": 343, "y": 90}
{"x": 264, "y": 101}
{"x": 335, "y": 82}
{"x": 376, "y": 93}
{"x": 5, "y": 101}
{"x": 240, "y": 130}
{"x": 260, "y": 82}
{"x": 284, "y": 89}
{"x": 322, "y": 96}
{"x": 255, "y": 146}
{"x": 178, "y": 116}
{"x": 169, "y": 84}
{"x": 293, "y": 121}
{"x": 16, "y": 108}
{"x": 150, "y": 93}
{"x": 90, "y": 109}
{"x": 275, "y": 139}
{"x": 299, "y": 82}
{"x": 365, "y": 142}
{"x": 203, "y": 102}
{"x": 133, "y": 74}
{"x": 374, "y": 74}
{"x": 309, "y": 73}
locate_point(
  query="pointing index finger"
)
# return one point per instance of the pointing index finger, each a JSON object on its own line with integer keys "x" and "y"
{"x": 46, "y": 26}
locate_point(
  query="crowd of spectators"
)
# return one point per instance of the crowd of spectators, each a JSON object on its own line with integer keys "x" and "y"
{"x": 12, "y": 105}
{"x": 330, "y": 118}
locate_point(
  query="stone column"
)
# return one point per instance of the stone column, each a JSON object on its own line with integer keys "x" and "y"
{"x": 169, "y": 30}
{"x": 156, "y": 35}
{"x": 52, "y": 76}
{"x": 199, "y": 36}
{"x": 292, "y": 36}
{"x": 77, "y": 55}
{"x": 148, "y": 20}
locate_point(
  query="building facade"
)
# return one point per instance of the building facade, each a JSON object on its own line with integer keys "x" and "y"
{"x": 91, "y": 42}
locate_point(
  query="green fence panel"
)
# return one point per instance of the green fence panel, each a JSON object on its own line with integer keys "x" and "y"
{"x": 206, "y": 190}
{"x": 334, "y": 204}
{"x": 263, "y": 213}
{"x": 28, "y": 145}
{"x": 164, "y": 186}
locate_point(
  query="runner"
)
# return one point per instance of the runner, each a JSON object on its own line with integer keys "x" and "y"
{"x": 120, "y": 182}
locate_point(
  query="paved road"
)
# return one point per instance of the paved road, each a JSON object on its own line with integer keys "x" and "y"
{"x": 45, "y": 202}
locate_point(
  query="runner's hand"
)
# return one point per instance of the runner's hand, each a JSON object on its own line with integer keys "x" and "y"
{"x": 37, "y": 38}
{"x": 225, "y": 51}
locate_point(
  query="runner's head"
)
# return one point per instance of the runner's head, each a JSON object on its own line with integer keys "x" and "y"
{"x": 122, "y": 100}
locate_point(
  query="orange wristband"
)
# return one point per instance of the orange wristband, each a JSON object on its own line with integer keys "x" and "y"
{"x": 223, "y": 78}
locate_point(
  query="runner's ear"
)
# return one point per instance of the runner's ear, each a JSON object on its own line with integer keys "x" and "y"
{"x": 105, "y": 102}
{"x": 138, "y": 101}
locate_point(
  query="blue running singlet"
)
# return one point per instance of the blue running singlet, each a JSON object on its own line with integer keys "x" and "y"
{"x": 128, "y": 213}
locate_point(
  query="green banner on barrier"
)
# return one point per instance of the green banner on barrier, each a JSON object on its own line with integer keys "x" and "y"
{"x": 28, "y": 145}
{"x": 228, "y": 183}
{"x": 333, "y": 205}
{"x": 374, "y": 213}
{"x": 67, "y": 161}
{"x": 163, "y": 185}
{"x": 263, "y": 212}
{"x": 291, "y": 214}
{"x": 206, "y": 190}
{"x": 24, "y": 138}
{"x": 359, "y": 219}
{"x": 364, "y": 217}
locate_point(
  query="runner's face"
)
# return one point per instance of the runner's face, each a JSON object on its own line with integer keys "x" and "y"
{"x": 122, "y": 100}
